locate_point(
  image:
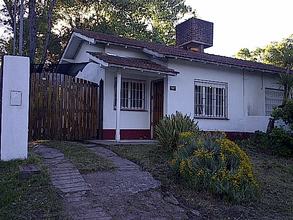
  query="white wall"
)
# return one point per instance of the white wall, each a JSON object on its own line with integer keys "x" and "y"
{"x": 124, "y": 52}
{"x": 246, "y": 108}
{"x": 128, "y": 119}
{"x": 15, "y": 108}
{"x": 85, "y": 47}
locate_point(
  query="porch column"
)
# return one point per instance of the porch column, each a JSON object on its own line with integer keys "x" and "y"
{"x": 118, "y": 90}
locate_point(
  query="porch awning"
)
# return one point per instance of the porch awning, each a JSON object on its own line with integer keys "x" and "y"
{"x": 132, "y": 63}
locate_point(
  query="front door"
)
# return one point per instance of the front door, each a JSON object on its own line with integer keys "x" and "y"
{"x": 158, "y": 102}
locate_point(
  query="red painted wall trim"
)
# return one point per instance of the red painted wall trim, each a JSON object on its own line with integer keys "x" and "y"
{"x": 238, "y": 135}
{"x": 130, "y": 134}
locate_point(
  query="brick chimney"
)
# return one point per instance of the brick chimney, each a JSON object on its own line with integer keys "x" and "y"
{"x": 195, "y": 34}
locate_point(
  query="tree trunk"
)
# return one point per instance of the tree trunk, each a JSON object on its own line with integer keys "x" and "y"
{"x": 32, "y": 30}
{"x": 50, "y": 14}
{"x": 21, "y": 12}
{"x": 14, "y": 25}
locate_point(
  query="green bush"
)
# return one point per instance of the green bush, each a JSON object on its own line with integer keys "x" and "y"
{"x": 277, "y": 142}
{"x": 168, "y": 129}
{"x": 215, "y": 164}
{"x": 284, "y": 113}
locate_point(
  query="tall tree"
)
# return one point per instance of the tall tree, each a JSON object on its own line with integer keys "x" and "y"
{"x": 32, "y": 30}
{"x": 276, "y": 53}
{"x": 48, "y": 34}
{"x": 21, "y": 27}
{"x": 151, "y": 20}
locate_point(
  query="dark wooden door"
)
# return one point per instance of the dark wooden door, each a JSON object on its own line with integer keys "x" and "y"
{"x": 158, "y": 101}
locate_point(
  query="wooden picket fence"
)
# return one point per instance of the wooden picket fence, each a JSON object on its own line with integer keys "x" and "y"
{"x": 62, "y": 107}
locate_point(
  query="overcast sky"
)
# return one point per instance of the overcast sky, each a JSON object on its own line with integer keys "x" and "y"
{"x": 249, "y": 23}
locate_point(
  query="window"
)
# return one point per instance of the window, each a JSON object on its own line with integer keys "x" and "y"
{"x": 210, "y": 99}
{"x": 273, "y": 98}
{"x": 132, "y": 94}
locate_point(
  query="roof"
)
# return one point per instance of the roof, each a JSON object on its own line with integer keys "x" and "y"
{"x": 176, "y": 52}
{"x": 131, "y": 62}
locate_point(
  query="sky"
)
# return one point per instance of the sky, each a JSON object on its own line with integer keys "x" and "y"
{"x": 245, "y": 23}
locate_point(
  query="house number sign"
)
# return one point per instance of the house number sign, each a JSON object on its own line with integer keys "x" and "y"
{"x": 173, "y": 88}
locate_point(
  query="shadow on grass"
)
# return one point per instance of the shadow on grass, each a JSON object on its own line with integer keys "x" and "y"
{"x": 33, "y": 198}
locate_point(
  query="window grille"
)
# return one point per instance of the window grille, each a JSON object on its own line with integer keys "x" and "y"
{"x": 132, "y": 94}
{"x": 273, "y": 98}
{"x": 210, "y": 99}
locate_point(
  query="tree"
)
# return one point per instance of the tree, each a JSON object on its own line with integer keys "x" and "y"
{"x": 276, "y": 53}
{"x": 32, "y": 30}
{"x": 151, "y": 20}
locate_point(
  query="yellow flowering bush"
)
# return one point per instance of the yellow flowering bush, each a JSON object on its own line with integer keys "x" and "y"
{"x": 216, "y": 164}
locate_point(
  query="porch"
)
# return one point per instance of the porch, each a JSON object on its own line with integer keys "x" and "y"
{"x": 133, "y": 100}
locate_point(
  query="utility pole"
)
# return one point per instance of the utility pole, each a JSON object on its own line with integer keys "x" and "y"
{"x": 20, "y": 49}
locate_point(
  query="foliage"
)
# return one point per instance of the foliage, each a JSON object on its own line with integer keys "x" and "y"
{"x": 284, "y": 113}
{"x": 152, "y": 20}
{"x": 276, "y": 53}
{"x": 277, "y": 142}
{"x": 33, "y": 198}
{"x": 168, "y": 129}
{"x": 215, "y": 164}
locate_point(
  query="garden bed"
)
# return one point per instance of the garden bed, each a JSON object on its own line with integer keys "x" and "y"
{"x": 274, "y": 174}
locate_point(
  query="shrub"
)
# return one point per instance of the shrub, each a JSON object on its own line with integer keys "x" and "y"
{"x": 168, "y": 129}
{"x": 215, "y": 164}
{"x": 284, "y": 113}
{"x": 277, "y": 142}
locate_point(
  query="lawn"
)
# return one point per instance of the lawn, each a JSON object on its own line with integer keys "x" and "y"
{"x": 83, "y": 158}
{"x": 34, "y": 198}
{"x": 275, "y": 175}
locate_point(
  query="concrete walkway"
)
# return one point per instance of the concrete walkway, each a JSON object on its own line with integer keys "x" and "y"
{"x": 125, "y": 193}
{"x": 71, "y": 185}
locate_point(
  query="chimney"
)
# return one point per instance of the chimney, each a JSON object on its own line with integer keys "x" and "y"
{"x": 195, "y": 34}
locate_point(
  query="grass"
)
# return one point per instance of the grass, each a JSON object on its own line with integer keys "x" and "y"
{"x": 84, "y": 159}
{"x": 34, "y": 198}
{"x": 274, "y": 174}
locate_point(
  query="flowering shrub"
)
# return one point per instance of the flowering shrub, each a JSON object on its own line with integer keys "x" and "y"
{"x": 215, "y": 164}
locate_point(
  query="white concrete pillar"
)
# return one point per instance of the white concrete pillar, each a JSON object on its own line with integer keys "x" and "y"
{"x": 118, "y": 107}
{"x": 15, "y": 107}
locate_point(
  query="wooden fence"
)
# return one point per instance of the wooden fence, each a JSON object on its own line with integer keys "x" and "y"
{"x": 62, "y": 107}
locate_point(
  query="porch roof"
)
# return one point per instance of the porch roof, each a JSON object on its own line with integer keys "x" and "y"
{"x": 133, "y": 63}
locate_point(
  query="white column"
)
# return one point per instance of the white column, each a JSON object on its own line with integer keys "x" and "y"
{"x": 15, "y": 108}
{"x": 118, "y": 92}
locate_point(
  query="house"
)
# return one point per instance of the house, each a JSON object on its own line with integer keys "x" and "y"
{"x": 144, "y": 81}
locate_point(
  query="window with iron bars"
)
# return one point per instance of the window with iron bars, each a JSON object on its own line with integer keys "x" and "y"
{"x": 210, "y": 99}
{"x": 132, "y": 94}
{"x": 273, "y": 98}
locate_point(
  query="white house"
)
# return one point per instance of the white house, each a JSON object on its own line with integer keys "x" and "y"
{"x": 144, "y": 81}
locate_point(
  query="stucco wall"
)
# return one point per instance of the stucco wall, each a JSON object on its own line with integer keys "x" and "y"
{"x": 246, "y": 108}
{"x": 15, "y": 108}
{"x": 129, "y": 119}
{"x": 246, "y": 93}
{"x": 82, "y": 56}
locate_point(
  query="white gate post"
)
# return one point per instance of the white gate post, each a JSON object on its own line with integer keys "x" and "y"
{"x": 15, "y": 107}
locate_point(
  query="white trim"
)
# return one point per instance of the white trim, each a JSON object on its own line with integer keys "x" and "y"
{"x": 144, "y": 70}
{"x": 97, "y": 60}
{"x": 152, "y": 53}
{"x": 89, "y": 39}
